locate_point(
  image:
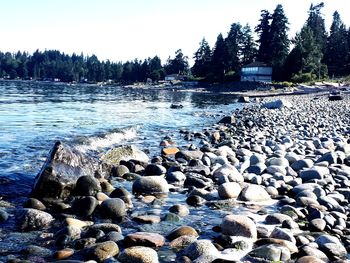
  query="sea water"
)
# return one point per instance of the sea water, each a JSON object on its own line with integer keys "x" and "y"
{"x": 33, "y": 115}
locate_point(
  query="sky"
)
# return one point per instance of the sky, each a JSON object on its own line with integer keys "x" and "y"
{"x": 121, "y": 30}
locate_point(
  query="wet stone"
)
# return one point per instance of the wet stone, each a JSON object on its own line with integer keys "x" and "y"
{"x": 144, "y": 239}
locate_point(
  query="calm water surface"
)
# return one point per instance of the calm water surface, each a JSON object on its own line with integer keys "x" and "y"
{"x": 35, "y": 115}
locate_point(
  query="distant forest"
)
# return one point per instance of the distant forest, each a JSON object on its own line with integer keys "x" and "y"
{"x": 314, "y": 53}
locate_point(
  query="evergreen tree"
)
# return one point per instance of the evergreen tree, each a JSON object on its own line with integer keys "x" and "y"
{"x": 218, "y": 59}
{"x": 279, "y": 42}
{"x": 263, "y": 31}
{"x": 178, "y": 65}
{"x": 202, "y": 59}
{"x": 316, "y": 23}
{"x": 306, "y": 56}
{"x": 248, "y": 50}
{"x": 233, "y": 43}
{"x": 337, "y": 50}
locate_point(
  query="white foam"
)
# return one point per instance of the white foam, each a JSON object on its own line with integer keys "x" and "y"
{"x": 100, "y": 142}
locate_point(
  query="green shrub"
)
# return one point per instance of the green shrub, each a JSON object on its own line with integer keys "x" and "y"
{"x": 303, "y": 77}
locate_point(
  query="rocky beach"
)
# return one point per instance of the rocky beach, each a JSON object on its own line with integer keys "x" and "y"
{"x": 267, "y": 183}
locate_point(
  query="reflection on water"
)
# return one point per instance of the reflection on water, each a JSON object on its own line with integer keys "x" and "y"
{"x": 34, "y": 115}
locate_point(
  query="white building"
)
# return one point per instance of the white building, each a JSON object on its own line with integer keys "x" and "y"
{"x": 256, "y": 71}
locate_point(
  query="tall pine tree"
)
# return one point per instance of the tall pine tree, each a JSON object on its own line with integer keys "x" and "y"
{"x": 279, "y": 42}
{"x": 316, "y": 23}
{"x": 218, "y": 61}
{"x": 337, "y": 51}
{"x": 202, "y": 59}
{"x": 248, "y": 50}
{"x": 233, "y": 43}
{"x": 263, "y": 31}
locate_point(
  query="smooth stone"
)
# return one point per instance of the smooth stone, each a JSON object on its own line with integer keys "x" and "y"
{"x": 113, "y": 208}
{"x": 291, "y": 246}
{"x": 273, "y": 169}
{"x": 102, "y": 251}
{"x": 309, "y": 259}
{"x": 138, "y": 254}
{"x": 77, "y": 223}
{"x": 180, "y": 210}
{"x": 317, "y": 225}
{"x": 87, "y": 186}
{"x": 147, "y": 219}
{"x": 106, "y": 227}
{"x": 85, "y": 206}
{"x": 35, "y": 204}
{"x": 154, "y": 169}
{"x": 73, "y": 232}
{"x": 308, "y": 250}
{"x": 176, "y": 178}
{"x": 301, "y": 164}
{"x": 120, "y": 170}
{"x": 181, "y": 242}
{"x": 102, "y": 196}
{"x": 257, "y": 158}
{"x": 170, "y": 151}
{"x": 283, "y": 233}
{"x": 278, "y": 161}
{"x": 199, "y": 248}
{"x": 277, "y": 218}
{"x": 124, "y": 153}
{"x": 334, "y": 251}
{"x": 32, "y": 219}
{"x": 271, "y": 252}
{"x": 64, "y": 253}
{"x": 197, "y": 180}
{"x": 3, "y": 215}
{"x": 316, "y": 172}
{"x": 239, "y": 225}
{"x": 37, "y": 251}
{"x": 195, "y": 200}
{"x": 150, "y": 185}
{"x": 229, "y": 190}
{"x": 106, "y": 187}
{"x": 230, "y": 171}
{"x": 292, "y": 157}
{"x": 145, "y": 239}
{"x": 182, "y": 231}
{"x": 227, "y": 120}
{"x": 258, "y": 168}
{"x": 189, "y": 154}
{"x": 254, "y": 193}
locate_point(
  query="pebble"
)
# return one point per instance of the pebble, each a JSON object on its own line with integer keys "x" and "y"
{"x": 145, "y": 239}
{"x": 181, "y": 231}
{"x": 113, "y": 208}
{"x": 138, "y": 254}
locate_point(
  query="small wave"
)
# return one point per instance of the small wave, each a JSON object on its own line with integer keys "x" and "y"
{"x": 99, "y": 142}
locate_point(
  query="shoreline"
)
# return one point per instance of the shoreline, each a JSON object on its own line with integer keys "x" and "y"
{"x": 297, "y": 157}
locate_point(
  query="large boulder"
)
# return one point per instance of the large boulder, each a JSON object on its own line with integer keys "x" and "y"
{"x": 277, "y": 104}
{"x": 124, "y": 153}
{"x": 64, "y": 165}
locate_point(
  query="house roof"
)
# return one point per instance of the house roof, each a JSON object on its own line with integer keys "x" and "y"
{"x": 256, "y": 64}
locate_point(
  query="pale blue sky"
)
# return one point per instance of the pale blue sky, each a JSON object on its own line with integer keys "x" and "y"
{"x": 122, "y": 30}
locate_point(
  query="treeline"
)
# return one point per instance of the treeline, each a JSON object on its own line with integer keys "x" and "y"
{"x": 312, "y": 54}
{"x": 52, "y": 64}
